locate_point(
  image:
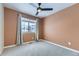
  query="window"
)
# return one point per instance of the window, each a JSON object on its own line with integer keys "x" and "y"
{"x": 24, "y": 26}
{"x": 28, "y": 25}
{"x": 32, "y": 26}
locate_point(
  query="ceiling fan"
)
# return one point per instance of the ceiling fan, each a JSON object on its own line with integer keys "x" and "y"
{"x": 39, "y": 8}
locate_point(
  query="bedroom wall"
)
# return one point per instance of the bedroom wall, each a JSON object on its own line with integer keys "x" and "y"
{"x": 10, "y": 25}
{"x": 41, "y": 27}
{"x": 28, "y": 37}
{"x": 1, "y": 28}
{"x": 63, "y": 27}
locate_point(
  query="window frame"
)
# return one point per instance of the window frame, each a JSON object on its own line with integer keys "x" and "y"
{"x": 29, "y": 21}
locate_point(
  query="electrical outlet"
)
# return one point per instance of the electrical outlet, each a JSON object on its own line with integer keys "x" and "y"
{"x": 69, "y": 43}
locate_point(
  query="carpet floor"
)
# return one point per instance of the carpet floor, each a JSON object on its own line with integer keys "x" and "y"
{"x": 38, "y": 49}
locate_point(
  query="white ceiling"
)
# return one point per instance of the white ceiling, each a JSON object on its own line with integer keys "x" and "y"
{"x": 29, "y": 9}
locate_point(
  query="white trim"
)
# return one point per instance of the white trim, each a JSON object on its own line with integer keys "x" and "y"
{"x": 47, "y": 42}
{"x": 37, "y": 30}
{"x": 10, "y": 46}
{"x": 28, "y": 42}
{"x": 27, "y": 19}
{"x": 62, "y": 46}
{"x": 17, "y": 45}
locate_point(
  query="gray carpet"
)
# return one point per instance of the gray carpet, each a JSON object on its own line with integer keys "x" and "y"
{"x": 37, "y": 49}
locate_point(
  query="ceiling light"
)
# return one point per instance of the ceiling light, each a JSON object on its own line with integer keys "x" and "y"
{"x": 39, "y": 10}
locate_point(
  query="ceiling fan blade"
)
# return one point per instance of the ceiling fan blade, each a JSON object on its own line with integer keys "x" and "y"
{"x": 37, "y": 13}
{"x": 33, "y": 5}
{"x": 47, "y": 9}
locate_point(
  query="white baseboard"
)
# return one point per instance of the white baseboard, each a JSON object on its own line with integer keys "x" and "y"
{"x": 9, "y": 46}
{"x": 17, "y": 45}
{"x": 28, "y": 42}
{"x": 62, "y": 46}
{"x": 47, "y": 42}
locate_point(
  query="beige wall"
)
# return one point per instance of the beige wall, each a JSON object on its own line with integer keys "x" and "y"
{"x": 1, "y": 28}
{"x": 28, "y": 36}
{"x": 41, "y": 27}
{"x": 10, "y": 26}
{"x": 63, "y": 27}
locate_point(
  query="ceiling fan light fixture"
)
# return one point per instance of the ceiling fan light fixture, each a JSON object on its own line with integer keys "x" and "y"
{"x": 39, "y": 10}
